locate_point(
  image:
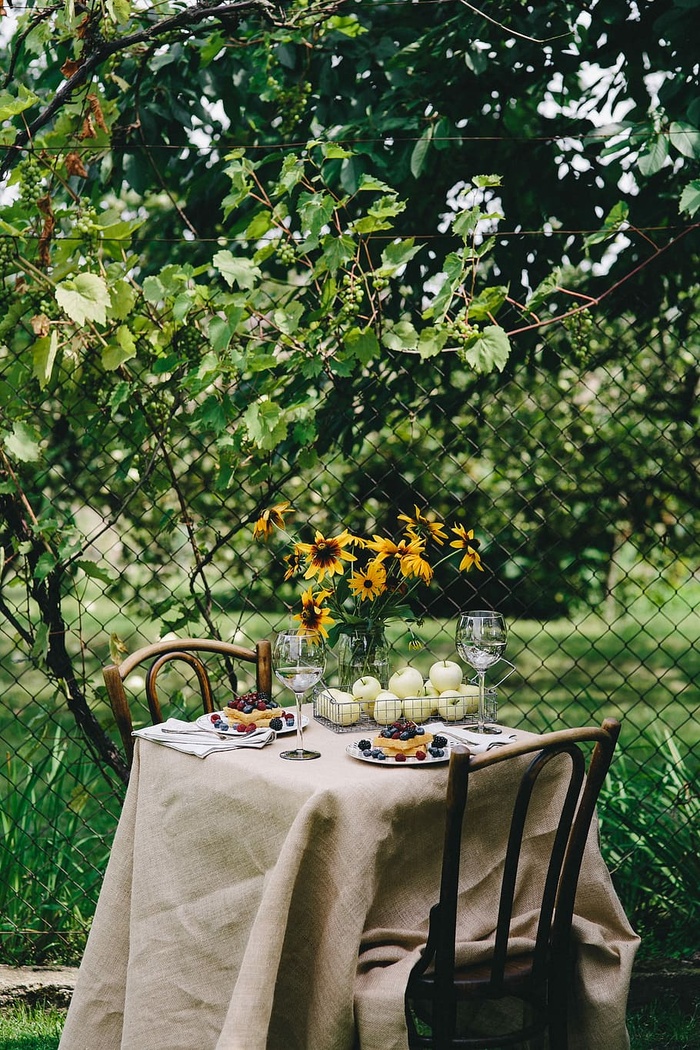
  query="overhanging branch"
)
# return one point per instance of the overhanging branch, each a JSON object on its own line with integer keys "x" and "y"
{"x": 186, "y": 19}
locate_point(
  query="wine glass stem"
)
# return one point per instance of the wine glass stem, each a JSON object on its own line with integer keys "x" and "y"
{"x": 482, "y": 701}
{"x": 300, "y": 729}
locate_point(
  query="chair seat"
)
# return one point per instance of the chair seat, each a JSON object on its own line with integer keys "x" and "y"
{"x": 475, "y": 981}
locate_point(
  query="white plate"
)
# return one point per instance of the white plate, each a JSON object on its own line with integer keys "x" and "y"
{"x": 411, "y": 760}
{"x": 205, "y": 722}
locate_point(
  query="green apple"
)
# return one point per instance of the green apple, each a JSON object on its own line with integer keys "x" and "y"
{"x": 366, "y": 688}
{"x": 343, "y": 709}
{"x": 338, "y": 706}
{"x": 406, "y": 681}
{"x": 471, "y": 693}
{"x": 451, "y": 705}
{"x": 418, "y": 708}
{"x": 387, "y": 708}
{"x": 429, "y": 689}
{"x": 445, "y": 674}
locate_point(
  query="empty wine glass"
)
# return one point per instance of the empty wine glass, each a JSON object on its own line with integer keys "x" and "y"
{"x": 298, "y": 661}
{"x": 481, "y": 641}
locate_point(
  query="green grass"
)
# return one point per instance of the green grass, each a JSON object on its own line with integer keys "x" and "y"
{"x": 658, "y": 1026}
{"x": 30, "y": 1027}
{"x": 662, "y": 1025}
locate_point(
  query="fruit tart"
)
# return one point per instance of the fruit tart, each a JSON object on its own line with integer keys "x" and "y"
{"x": 403, "y": 737}
{"x": 252, "y": 709}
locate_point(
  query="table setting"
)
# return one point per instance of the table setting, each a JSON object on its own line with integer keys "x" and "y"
{"x": 249, "y": 896}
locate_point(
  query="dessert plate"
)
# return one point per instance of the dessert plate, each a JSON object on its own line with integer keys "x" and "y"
{"x": 205, "y": 722}
{"x": 390, "y": 761}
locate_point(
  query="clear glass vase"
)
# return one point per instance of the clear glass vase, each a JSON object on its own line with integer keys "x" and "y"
{"x": 361, "y": 652}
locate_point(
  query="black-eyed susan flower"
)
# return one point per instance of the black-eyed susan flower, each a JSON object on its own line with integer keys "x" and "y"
{"x": 269, "y": 520}
{"x": 369, "y": 584}
{"x": 465, "y": 541}
{"x": 423, "y": 527}
{"x": 314, "y": 616}
{"x": 295, "y": 562}
{"x": 325, "y": 555}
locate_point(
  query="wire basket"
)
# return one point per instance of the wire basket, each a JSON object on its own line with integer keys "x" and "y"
{"x": 353, "y": 715}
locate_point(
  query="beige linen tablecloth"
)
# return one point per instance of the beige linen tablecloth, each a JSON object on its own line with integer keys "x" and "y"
{"x": 242, "y": 888}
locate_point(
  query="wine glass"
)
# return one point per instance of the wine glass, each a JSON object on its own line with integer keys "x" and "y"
{"x": 298, "y": 661}
{"x": 481, "y": 641}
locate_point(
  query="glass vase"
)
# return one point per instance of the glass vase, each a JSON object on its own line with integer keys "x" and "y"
{"x": 361, "y": 652}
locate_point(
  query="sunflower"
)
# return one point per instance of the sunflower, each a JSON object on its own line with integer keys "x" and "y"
{"x": 370, "y": 583}
{"x": 313, "y": 617}
{"x": 465, "y": 541}
{"x": 325, "y": 556}
{"x": 269, "y": 520}
{"x": 423, "y": 528}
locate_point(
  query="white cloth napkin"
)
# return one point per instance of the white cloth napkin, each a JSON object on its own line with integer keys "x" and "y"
{"x": 190, "y": 738}
{"x": 476, "y": 742}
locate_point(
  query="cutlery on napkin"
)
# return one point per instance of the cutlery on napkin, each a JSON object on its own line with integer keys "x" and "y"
{"x": 476, "y": 742}
{"x": 189, "y": 738}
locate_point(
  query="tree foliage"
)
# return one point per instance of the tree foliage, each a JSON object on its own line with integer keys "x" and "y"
{"x": 223, "y": 225}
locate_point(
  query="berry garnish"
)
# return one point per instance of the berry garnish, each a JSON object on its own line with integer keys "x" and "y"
{"x": 276, "y": 724}
{"x": 439, "y": 741}
{"x": 421, "y": 756}
{"x": 400, "y": 757}
{"x": 251, "y": 727}
{"x": 364, "y": 745}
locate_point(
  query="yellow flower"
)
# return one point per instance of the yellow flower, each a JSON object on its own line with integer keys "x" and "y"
{"x": 370, "y": 583}
{"x": 422, "y": 527}
{"x": 295, "y": 563}
{"x": 313, "y": 617}
{"x": 409, "y": 553}
{"x": 465, "y": 541}
{"x": 325, "y": 556}
{"x": 416, "y": 565}
{"x": 270, "y": 519}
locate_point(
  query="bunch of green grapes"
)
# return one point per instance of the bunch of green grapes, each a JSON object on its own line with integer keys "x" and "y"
{"x": 86, "y": 223}
{"x": 188, "y": 342}
{"x": 5, "y": 298}
{"x": 580, "y": 328}
{"x": 7, "y": 254}
{"x": 460, "y": 332}
{"x": 48, "y": 307}
{"x": 293, "y": 104}
{"x": 31, "y": 182}
{"x": 285, "y": 253}
{"x": 351, "y": 296}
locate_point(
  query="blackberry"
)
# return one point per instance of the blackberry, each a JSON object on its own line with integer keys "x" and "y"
{"x": 364, "y": 745}
{"x": 276, "y": 724}
{"x": 439, "y": 741}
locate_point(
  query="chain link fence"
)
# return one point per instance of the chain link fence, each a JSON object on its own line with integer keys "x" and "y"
{"x": 577, "y": 468}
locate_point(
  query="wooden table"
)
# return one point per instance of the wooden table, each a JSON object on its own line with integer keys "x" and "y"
{"x": 243, "y": 889}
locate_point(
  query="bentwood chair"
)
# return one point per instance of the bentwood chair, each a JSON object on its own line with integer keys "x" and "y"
{"x": 442, "y": 994}
{"x": 189, "y": 651}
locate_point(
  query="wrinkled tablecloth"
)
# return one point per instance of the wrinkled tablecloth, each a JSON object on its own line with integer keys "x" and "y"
{"x": 252, "y": 903}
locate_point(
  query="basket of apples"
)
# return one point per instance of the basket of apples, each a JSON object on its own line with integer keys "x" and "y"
{"x": 442, "y": 695}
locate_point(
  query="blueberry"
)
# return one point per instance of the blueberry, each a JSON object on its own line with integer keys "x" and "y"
{"x": 247, "y": 709}
{"x": 405, "y": 736}
{"x": 419, "y": 730}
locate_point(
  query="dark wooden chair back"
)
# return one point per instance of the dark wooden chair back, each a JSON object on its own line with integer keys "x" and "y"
{"x": 188, "y": 651}
{"x": 539, "y": 978}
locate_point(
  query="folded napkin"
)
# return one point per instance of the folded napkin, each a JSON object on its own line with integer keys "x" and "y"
{"x": 190, "y": 738}
{"x": 476, "y": 742}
